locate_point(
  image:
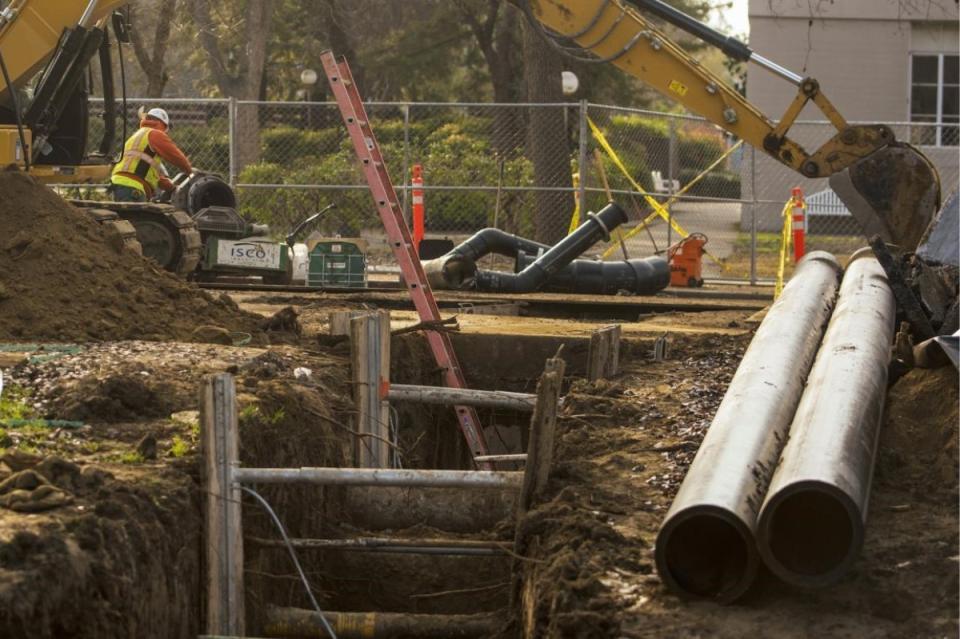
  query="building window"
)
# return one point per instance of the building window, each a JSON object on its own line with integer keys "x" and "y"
{"x": 935, "y": 98}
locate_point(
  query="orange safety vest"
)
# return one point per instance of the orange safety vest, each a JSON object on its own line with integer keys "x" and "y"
{"x": 138, "y": 159}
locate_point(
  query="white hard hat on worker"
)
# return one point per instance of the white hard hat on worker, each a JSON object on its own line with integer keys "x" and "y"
{"x": 159, "y": 114}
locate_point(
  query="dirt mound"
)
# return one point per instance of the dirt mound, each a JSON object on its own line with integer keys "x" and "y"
{"x": 919, "y": 440}
{"x": 63, "y": 276}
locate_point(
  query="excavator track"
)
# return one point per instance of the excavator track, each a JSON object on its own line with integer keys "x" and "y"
{"x": 166, "y": 234}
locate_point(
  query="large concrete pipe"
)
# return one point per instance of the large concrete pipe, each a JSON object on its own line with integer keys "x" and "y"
{"x": 535, "y": 276}
{"x": 593, "y": 277}
{"x": 706, "y": 547}
{"x": 812, "y": 521}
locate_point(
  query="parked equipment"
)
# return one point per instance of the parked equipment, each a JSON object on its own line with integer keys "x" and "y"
{"x": 337, "y": 263}
{"x": 686, "y": 261}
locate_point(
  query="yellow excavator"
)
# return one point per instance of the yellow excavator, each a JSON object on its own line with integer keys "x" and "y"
{"x": 47, "y": 48}
{"x": 890, "y": 188}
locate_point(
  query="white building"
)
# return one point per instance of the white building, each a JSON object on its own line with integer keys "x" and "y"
{"x": 878, "y": 61}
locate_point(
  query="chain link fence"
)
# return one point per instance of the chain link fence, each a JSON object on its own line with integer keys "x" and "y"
{"x": 287, "y": 160}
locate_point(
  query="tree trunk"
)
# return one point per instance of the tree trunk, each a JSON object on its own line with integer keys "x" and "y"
{"x": 247, "y": 84}
{"x": 153, "y": 63}
{"x": 547, "y": 142}
{"x": 334, "y": 22}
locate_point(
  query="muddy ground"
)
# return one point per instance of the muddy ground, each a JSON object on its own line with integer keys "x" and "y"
{"x": 624, "y": 450}
{"x": 118, "y": 552}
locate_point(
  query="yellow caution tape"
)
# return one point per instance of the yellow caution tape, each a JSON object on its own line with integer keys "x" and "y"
{"x": 676, "y": 196}
{"x": 656, "y": 206}
{"x": 784, "y": 246}
{"x": 575, "y": 218}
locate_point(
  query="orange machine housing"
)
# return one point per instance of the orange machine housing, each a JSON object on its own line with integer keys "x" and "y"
{"x": 686, "y": 261}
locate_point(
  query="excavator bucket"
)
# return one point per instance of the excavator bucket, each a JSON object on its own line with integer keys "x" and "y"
{"x": 893, "y": 193}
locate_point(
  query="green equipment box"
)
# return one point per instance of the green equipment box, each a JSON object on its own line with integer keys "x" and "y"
{"x": 337, "y": 263}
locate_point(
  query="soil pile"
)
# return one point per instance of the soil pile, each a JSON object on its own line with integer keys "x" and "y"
{"x": 919, "y": 441}
{"x": 63, "y": 276}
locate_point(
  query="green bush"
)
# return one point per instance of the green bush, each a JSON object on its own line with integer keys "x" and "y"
{"x": 642, "y": 137}
{"x": 288, "y": 144}
{"x": 453, "y": 153}
{"x": 723, "y": 184}
{"x": 698, "y": 150}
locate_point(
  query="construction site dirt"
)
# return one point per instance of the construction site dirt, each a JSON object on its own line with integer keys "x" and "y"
{"x": 100, "y": 485}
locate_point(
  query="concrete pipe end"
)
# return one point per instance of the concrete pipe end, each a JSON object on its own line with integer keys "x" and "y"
{"x": 810, "y": 533}
{"x": 865, "y": 252}
{"x": 822, "y": 256}
{"x": 706, "y": 552}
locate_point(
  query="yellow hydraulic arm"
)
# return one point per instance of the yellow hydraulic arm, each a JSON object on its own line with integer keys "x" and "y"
{"x": 891, "y": 188}
{"x": 619, "y": 34}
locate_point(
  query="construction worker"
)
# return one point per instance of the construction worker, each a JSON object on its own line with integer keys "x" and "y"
{"x": 139, "y": 173}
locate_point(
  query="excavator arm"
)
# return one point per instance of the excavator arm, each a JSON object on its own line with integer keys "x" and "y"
{"x": 49, "y": 45}
{"x": 891, "y": 188}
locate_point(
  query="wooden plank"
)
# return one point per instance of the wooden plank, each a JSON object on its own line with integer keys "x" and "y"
{"x": 462, "y": 396}
{"x": 603, "y": 359}
{"x": 543, "y": 426}
{"x": 370, "y": 358}
{"x": 339, "y": 321}
{"x": 539, "y": 461}
{"x": 222, "y": 522}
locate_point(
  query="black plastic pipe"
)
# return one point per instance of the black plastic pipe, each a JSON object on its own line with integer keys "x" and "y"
{"x": 536, "y": 275}
{"x": 592, "y": 277}
{"x": 458, "y": 268}
{"x": 496, "y": 241}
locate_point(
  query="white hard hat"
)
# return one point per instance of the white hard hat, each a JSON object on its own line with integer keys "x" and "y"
{"x": 160, "y": 114}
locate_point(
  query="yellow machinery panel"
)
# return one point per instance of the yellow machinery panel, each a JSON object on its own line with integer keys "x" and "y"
{"x": 10, "y": 150}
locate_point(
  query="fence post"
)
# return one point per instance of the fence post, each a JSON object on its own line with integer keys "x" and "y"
{"x": 222, "y": 522}
{"x": 370, "y": 358}
{"x": 582, "y": 159}
{"x": 753, "y": 216}
{"x": 406, "y": 159}
{"x": 232, "y": 139}
{"x": 671, "y": 173}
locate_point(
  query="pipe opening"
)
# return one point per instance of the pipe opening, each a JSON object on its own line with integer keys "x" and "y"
{"x": 810, "y": 533}
{"x": 707, "y": 556}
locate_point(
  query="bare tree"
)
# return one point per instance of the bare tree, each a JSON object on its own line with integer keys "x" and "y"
{"x": 494, "y": 25}
{"x": 152, "y": 61}
{"x": 243, "y": 80}
{"x": 547, "y": 144}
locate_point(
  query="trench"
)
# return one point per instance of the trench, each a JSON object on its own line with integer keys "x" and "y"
{"x": 473, "y": 587}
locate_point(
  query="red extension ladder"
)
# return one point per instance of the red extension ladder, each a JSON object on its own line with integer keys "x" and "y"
{"x": 388, "y": 206}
